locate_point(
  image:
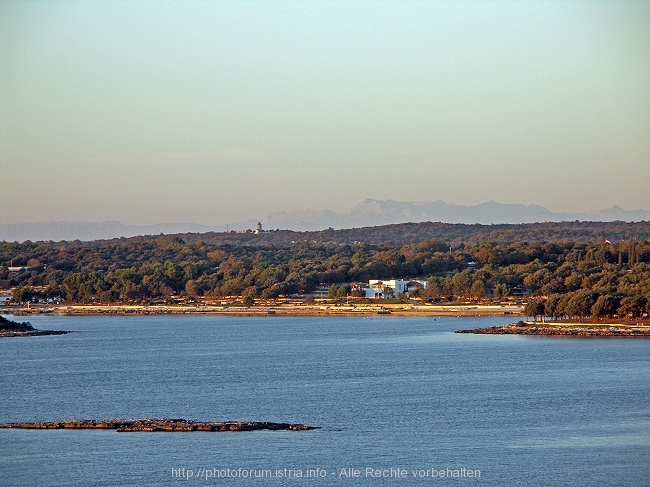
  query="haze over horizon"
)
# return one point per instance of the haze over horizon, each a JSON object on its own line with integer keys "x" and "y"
{"x": 213, "y": 112}
{"x": 368, "y": 213}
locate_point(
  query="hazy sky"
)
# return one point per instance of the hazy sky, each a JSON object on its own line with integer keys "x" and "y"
{"x": 215, "y": 112}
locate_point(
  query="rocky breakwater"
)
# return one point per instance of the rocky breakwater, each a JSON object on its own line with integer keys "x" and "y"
{"x": 151, "y": 425}
{"x": 564, "y": 329}
{"x": 10, "y": 328}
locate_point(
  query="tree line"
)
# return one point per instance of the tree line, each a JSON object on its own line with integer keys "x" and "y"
{"x": 414, "y": 233}
{"x": 565, "y": 278}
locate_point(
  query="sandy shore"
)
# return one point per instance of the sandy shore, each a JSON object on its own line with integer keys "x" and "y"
{"x": 282, "y": 309}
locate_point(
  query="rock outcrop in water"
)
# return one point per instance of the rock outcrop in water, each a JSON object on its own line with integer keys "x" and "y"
{"x": 151, "y": 425}
{"x": 573, "y": 329}
{"x": 10, "y": 328}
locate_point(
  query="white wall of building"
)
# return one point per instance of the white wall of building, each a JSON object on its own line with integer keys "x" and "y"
{"x": 375, "y": 288}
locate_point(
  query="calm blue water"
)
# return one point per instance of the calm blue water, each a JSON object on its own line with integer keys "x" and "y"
{"x": 389, "y": 392}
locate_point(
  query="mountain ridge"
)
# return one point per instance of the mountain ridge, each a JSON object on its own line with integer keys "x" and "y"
{"x": 370, "y": 212}
{"x": 373, "y": 212}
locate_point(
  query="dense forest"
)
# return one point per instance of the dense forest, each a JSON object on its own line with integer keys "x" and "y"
{"x": 454, "y": 233}
{"x": 568, "y": 269}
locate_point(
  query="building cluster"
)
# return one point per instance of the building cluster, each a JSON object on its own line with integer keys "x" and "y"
{"x": 257, "y": 231}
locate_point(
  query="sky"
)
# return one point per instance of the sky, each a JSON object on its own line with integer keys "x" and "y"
{"x": 213, "y": 112}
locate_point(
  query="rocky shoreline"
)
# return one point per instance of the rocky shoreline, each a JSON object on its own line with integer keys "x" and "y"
{"x": 164, "y": 424}
{"x": 10, "y": 328}
{"x": 32, "y": 333}
{"x": 563, "y": 329}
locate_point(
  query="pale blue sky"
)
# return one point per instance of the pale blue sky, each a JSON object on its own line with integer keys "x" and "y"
{"x": 215, "y": 112}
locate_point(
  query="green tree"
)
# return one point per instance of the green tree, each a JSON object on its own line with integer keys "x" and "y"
{"x": 249, "y": 298}
{"x": 501, "y": 291}
{"x": 580, "y": 304}
{"x": 633, "y": 306}
{"x": 478, "y": 289}
{"x": 22, "y": 294}
{"x": 605, "y": 306}
{"x": 534, "y": 308}
{"x": 551, "y": 306}
{"x": 462, "y": 282}
{"x": 192, "y": 288}
{"x": 342, "y": 291}
{"x": 418, "y": 293}
{"x": 332, "y": 291}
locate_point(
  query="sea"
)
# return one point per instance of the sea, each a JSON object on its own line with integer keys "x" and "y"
{"x": 399, "y": 401}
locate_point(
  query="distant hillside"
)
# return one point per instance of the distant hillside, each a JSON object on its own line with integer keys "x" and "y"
{"x": 579, "y": 268}
{"x": 369, "y": 213}
{"x": 454, "y": 233}
{"x": 385, "y": 212}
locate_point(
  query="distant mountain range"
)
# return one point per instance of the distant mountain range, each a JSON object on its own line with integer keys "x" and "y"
{"x": 368, "y": 213}
{"x": 385, "y": 212}
{"x": 73, "y": 230}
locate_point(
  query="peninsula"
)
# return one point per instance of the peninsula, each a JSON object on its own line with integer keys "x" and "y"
{"x": 10, "y": 328}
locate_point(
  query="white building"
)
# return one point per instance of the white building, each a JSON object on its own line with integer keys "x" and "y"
{"x": 375, "y": 288}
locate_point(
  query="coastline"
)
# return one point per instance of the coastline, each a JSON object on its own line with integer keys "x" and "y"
{"x": 32, "y": 333}
{"x": 275, "y": 310}
{"x": 566, "y": 329}
{"x": 10, "y": 328}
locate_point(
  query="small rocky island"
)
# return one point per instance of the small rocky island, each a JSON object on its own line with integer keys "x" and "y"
{"x": 10, "y": 328}
{"x": 150, "y": 425}
{"x": 564, "y": 329}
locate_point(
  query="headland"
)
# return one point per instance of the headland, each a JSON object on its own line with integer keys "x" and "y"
{"x": 10, "y": 328}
